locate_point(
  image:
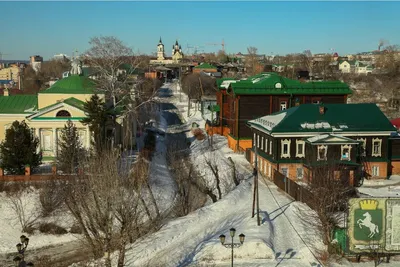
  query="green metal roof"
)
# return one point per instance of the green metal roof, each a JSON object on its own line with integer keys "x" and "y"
{"x": 18, "y": 104}
{"x": 337, "y": 118}
{"x": 272, "y": 84}
{"x": 75, "y": 103}
{"x": 205, "y": 66}
{"x": 73, "y": 84}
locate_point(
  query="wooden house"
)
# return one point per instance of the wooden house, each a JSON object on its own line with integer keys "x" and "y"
{"x": 298, "y": 141}
{"x": 264, "y": 94}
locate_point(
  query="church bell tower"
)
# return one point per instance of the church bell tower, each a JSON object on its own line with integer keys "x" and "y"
{"x": 160, "y": 50}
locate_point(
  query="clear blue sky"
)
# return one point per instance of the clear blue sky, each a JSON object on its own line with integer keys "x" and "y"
{"x": 48, "y": 28}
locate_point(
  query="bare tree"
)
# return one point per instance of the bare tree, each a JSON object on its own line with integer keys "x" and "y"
{"x": 329, "y": 189}
{"x": 251, "y": 60}
{"x": 109, "y": 204}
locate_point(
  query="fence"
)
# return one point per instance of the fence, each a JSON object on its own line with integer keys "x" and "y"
{"x": 44, "y": 175}
{"x": 296, "y": 191}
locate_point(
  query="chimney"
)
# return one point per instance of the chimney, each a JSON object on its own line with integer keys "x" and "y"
{"x": 6, "y": 92}
{"x": 321, "y": 110}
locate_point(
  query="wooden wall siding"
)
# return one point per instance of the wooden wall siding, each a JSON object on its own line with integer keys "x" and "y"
{"x": 369, "y": 147}
{"x": 334, "y": 153}
{"x": 231, "y": 117}
{"x": 251, "y": 107}
{"x": 394, "y": 148}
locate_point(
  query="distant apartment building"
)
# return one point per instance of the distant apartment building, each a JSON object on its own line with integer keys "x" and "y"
{"x": 36, "y": 62}
{"x": 10, "y": 73}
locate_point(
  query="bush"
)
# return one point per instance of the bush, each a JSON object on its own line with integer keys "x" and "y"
{"x": 51, "y": 197}
{"x": 52, "y": 228}
{"x": 76, "y": 229}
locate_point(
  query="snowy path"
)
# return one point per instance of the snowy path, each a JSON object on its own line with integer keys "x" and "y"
{"x": 194, "y": 238}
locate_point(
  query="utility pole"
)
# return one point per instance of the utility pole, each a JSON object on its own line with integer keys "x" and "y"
{"x": 256, "y": 199}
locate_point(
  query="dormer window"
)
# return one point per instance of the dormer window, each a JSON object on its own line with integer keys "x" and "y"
{"x": 345, "y": 155}
{"x": 322, "y": 151}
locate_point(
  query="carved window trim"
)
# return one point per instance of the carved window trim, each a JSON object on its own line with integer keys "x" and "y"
{"x": 262, "y": 143}
{"x": 254, "y": 139}
{"x": 283, "y": 143}
{"x": 318, "y": 150}
{"x": 379, "y": 152}
{"x": 303, "y": 153}
{"x": 270, "y": 147}
{"x": 363, "y": 146}
{"x": 342, "y": 156}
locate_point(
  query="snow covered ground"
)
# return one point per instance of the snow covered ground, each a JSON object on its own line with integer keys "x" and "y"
{"x": 284, "y": 236}
{"x": 381, "y": 188}
{"x": 11, "y": 230}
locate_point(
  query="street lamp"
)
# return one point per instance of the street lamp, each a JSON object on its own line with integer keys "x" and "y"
{"x": 232, "y": 245}
{"x": 21, "y": 248}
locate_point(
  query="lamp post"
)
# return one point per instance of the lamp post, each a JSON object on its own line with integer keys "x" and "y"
{"x": 21, "y": 248}
{"x": 232, "y": 245}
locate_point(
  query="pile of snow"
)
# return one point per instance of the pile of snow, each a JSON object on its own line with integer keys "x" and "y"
{"x": 11, "y": 230}
{"x": 381, "y": 188}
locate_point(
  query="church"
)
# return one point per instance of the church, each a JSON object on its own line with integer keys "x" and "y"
{"x": 177, "y": 54}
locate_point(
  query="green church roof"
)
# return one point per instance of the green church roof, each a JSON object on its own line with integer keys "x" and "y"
{"x": 273, "y": 84}
{"x": 73, "y": 84}
{"x": 205, "y": 66}
{"x": 337, "y": 118}
{"x": 18, "y": 104}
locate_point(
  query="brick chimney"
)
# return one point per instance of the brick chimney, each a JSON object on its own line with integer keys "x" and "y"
{"x": 6, "y": 92}
{"x": 321, "y": 110}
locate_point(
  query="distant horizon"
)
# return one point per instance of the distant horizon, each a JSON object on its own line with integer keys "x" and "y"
{"x": 275, "y": 28}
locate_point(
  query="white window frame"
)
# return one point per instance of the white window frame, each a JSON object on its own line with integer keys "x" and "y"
{"x": 254, "y": 139}
{"x": 375, "y": 170}
{"x": 379, "y": 152}
{"x": 297, "y": 173}
{"x": 258, "y": 141}
{"x": 266, "y": 145}
{"x": 270, "y": 147}
{"x": 303, "y": 153}
{"x": 262, "y": 143}
{"x": 281, "y": 105}
{"x": 326, "y": 152}
{"x": 283, "y": 143}
{"x": 343, "y": 147}
{"x": 363, "y": 145}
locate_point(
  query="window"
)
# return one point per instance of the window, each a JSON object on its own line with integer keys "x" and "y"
{"x": 363, "y": 147}
{"x": 262, "y": 143}
{"x": 375, "y": 170}
{"x": 345, "y": 152}
{"x": 322, "y": 150}
{"x": 270, "y": 147}
{"x": 376, "y": 147}
{"x": 63, "y": 113}
{"x": 258, "y": 141}
{"x": 285, "y": 171}
{"x": 254, "y": 139}
{"x": 285, "y": 148}
{"x": 300, "y": 147}
{"x": 269, "y": 170}
{"x": 283, "y": 105}
{"x": 299, "y": 173}
{"x": 266, "y": 145}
